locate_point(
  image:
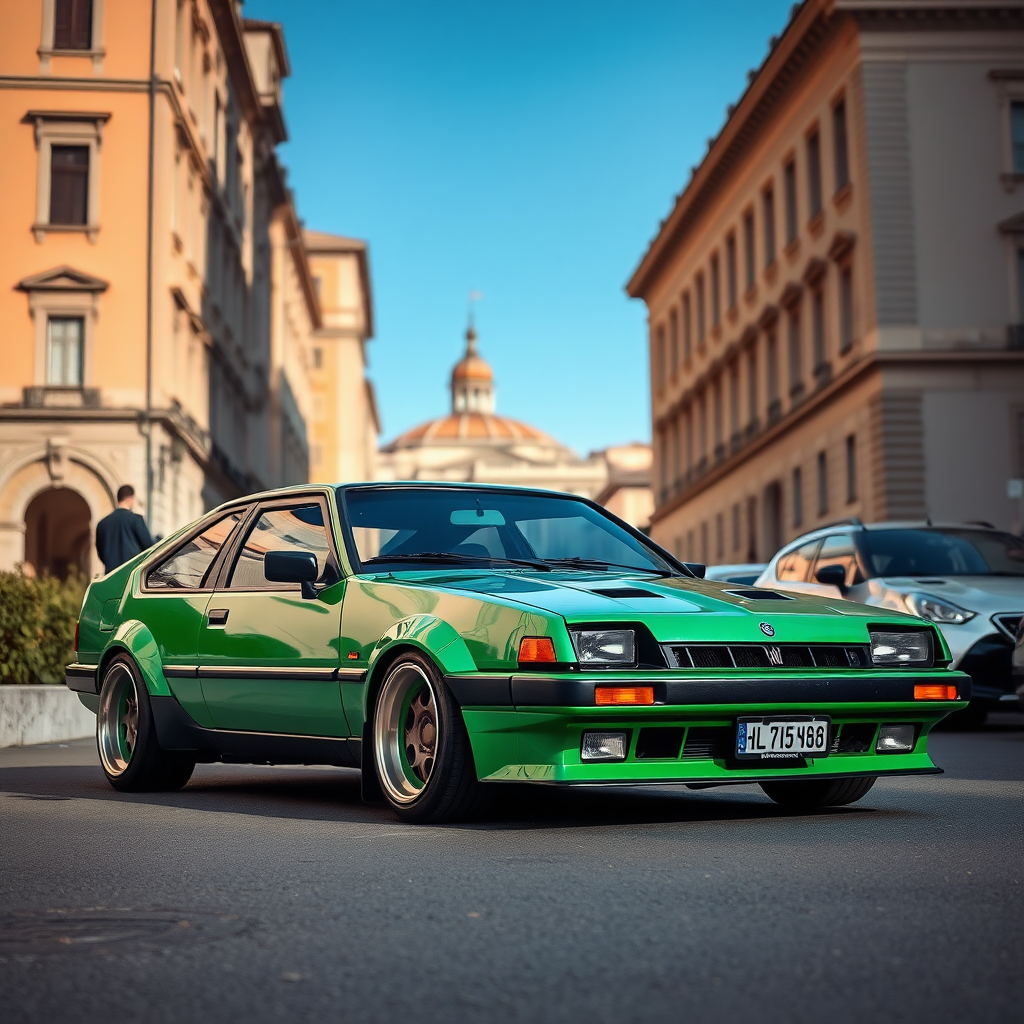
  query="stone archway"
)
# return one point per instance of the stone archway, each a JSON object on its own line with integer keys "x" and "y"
{"x": 58, "y": 534}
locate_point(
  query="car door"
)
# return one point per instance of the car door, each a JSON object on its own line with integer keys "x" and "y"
{"x": 172, "y": 603}
{"x": 268, "y": 657}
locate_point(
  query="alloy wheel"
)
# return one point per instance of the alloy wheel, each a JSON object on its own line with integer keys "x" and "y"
{"x": 117, "y": 721}
{"x": 406, "y": 732}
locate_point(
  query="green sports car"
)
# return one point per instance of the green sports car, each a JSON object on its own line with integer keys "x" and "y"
{"x": 447, "y": 638}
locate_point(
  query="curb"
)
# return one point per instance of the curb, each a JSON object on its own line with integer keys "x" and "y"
{"x": 42, "y": 714}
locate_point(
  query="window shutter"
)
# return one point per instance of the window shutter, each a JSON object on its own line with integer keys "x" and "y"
{"x": 69, "y": 184}
{"x": 72, "y": 25}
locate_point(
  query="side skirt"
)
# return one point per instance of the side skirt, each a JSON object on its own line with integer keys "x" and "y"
{"x": 177, "y": 730}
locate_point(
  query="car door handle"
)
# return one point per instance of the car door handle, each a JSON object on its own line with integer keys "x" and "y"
{"x": 217, "y": 616}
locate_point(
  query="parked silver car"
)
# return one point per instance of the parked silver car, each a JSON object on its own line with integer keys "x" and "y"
{"x": 744, "y": 574}
{"x": 968, "y": 579}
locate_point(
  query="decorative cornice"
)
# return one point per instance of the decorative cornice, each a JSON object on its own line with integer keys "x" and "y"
{"x": 62, "y": 279}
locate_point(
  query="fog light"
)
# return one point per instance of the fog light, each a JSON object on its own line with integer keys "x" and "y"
{"x": 895, "y": 739}
{"x": 603, "y": 746}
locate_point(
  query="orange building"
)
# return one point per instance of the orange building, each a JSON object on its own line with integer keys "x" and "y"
{"x": 157, "y": 301}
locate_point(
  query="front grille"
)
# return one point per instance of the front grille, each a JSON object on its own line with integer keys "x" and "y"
{"x": 1008, "y": 623}
{"x": 767, "y": 656}
{"x": 856, "y": 738}
{"x": 661, "y": 743}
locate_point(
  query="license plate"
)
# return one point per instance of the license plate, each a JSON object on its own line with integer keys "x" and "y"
{"x": 782, "y": 739}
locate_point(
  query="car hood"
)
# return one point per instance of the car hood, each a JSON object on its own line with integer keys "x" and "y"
{"x": 975, "y": 593}
{"x": 673, "y": 609}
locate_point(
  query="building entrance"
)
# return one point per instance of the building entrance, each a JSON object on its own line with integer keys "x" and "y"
{"x": 58, "y": 533}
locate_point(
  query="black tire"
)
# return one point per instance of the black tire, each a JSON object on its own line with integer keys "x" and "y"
{"x": 415, "y": 712}
{"x": 810, "y": 793}
{"x": 130, "y": 756}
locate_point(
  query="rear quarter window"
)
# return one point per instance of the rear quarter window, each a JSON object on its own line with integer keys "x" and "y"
{"x": 188, "y": 566}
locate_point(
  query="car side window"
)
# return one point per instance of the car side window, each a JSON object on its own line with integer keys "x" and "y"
{"x": 188, "y": 567}
{"x": 300, "y": 528}
{"x": 794, "y": 566}
{"x": 838, "y": 549}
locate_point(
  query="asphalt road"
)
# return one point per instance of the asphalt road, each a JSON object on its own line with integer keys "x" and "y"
{"x": 262, "y": 894}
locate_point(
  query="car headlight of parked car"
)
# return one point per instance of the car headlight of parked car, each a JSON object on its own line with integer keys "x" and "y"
{"x": 909, "y": 648}
{"x": 604, "y": 646}
{"x": 935, "y": 610}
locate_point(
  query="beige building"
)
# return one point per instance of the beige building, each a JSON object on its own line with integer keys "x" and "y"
{"x": 473, "y": 442}
{"x": 158, "y": 306}
{"x": 835, "y": 299}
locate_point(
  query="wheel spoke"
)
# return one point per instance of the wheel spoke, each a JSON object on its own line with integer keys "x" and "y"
{"x": 406, "y": 732}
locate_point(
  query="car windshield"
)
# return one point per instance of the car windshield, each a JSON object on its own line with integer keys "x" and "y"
{"x": 942, "y": 552}
{"x": 399, "y": 527}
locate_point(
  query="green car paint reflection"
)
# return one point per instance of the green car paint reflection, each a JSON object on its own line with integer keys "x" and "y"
{"x": 418, "y": 598}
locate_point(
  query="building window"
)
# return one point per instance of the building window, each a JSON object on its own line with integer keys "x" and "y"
{"x": 673, "y": 341}
{"x": 687, "y": 328}
{"x": 689, "y": 545}
{"x": 752, "y": 388}
{"x": 734, "y": 402}
{"x": 659, "y": 359}
{"x": 798, "y": 497}
{"x": 818, "y": 327}
{"x": 1020, "y": 286}
{"x": 716, "y": 416}
{"x": 698, "y": 287}
{"x": 822, "y": 484}
{"x": 789, "y": 176}
{"x": 851, "y": 468}
{"x": 748, "y": 249}
{"x": 719, "y": 536}
{"x": 773, "y": 376}
{"x": 796, "y": 370}
{"x": 730, "y": 270}
{"x": 842, "y": 159}
{"x": 1017, "y": 135}
{"x": 736, "y": 527}
{"x": 845, "y": 309}
{"x": 716, "y": 292}
{"x": 64, "y": 335}
{"x": 752, "y": 529}
{"x": 318, "y": 358}
{"x": 704, "y": 542}
{"x": 72, "y": 25}
{"x": 814, "y": 172}
{"x": 69, "y": 185}
{"x": 769, "y": 226}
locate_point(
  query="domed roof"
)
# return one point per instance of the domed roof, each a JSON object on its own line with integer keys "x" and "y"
{"x": 472, "y": 366}
{"x": 471, "y": 428}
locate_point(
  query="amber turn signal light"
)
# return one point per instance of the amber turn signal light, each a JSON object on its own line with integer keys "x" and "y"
{"x": 934, "y": 691}
{"x": 534, "y": 649}
{"x": 623, "y": 695}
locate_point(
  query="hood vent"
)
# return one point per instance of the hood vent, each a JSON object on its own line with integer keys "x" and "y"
{"x": 624, "y": 592}
{"x": 759, "y": 595}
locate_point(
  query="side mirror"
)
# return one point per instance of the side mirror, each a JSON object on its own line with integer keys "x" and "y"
{"x": 832, "y": 576}
{"x": 292, "y": 567}
{"x": 697, "y": 569}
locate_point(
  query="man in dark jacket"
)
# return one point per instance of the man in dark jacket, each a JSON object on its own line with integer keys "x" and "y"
{"x": 123, "y": 534}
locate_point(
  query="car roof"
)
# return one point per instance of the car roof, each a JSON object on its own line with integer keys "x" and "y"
{"x": 855, "y": 525}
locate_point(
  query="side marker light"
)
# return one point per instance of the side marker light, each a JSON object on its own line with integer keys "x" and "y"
{"x": 605, "y": 695}
{"x": 536, "y": 649}
{"x": 934, "y": 691}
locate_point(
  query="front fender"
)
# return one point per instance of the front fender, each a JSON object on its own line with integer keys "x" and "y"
{"x": 135, "y": 638}
{"x": 428, "y": 633}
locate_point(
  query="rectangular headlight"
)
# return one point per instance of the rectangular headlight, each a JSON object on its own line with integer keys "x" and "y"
{"x": 604, "y": 646}
{"x": 913, "y": 648}
{"x": 604, "y": 746}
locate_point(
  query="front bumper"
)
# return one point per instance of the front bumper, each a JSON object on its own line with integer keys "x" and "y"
{"x": 530, "y": 728}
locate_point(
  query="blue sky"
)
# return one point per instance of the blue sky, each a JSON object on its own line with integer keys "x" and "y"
{"x": 524, "y": 148}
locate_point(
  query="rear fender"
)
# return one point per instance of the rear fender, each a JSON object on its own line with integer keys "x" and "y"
{"x": 135, "y": 638}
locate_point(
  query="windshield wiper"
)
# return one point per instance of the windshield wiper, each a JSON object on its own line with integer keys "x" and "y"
{"x": 443, "y": 557}
{"x": 600, "y": 563}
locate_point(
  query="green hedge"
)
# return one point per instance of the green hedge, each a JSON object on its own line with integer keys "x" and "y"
{"x": 37, "y": 627}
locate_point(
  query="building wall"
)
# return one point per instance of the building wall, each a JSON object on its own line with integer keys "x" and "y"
{"x": 916, "y": 227}
{"x": 217, "y": 192}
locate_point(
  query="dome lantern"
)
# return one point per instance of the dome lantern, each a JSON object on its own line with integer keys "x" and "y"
{"x": 472, "y": 380}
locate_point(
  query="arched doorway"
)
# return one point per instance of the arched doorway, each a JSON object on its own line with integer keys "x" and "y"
{"x": 58, "y": 534}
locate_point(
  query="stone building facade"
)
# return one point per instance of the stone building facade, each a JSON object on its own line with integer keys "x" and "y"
{"x": 157, "y": 302}
{"x": 834, "y": 300}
